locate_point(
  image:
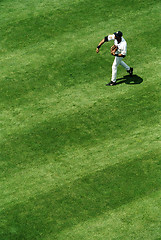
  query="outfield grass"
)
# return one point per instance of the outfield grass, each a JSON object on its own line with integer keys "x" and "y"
{"x": 79, "y": 160}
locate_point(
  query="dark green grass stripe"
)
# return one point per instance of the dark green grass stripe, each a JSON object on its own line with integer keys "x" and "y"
{"x": 82, "y": 200}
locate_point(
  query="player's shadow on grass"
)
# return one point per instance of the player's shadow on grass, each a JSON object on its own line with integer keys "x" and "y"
{"x": 135, "y": 79}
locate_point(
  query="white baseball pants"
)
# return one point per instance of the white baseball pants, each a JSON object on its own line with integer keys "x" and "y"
{"x": 117, "y": 61}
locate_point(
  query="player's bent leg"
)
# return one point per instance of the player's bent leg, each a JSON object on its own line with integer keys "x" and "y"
{"x": 128, "y": 69}
{"x": 123, "y": 64}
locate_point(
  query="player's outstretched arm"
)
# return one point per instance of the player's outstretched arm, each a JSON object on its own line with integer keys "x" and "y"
{"x": 99, "y": 45}
{"x": 102, "y": 42}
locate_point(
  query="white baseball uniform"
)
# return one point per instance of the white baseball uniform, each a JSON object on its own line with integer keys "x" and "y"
{"x": 122, "y": 49}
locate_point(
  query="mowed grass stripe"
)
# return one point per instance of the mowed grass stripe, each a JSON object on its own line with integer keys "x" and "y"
{"x": 85, "y": 198}
{"x": 13, "y": 11}
{"x": 121, "y": 222}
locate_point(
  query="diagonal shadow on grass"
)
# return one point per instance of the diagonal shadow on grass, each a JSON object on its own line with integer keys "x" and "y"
{"x": 135, "y": 79}
{"x": 81, "y": 200}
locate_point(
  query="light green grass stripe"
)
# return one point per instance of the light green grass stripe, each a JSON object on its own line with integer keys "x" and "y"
{"x": 13, "y": 10}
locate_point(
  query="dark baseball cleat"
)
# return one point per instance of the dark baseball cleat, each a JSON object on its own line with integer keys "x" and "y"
{"x": 130, "y": 71}
{"x": 111, "y": 83}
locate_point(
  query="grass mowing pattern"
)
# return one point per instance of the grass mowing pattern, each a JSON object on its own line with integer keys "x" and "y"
{"x": 79, "y": 160}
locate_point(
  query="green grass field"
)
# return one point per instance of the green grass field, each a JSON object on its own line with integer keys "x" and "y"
{"x": 79, "y": 160}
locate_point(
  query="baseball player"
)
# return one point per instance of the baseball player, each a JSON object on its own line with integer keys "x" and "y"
{"x": 119, "y": 50}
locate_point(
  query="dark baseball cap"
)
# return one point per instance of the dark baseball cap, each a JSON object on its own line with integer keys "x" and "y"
{"x": 118, "y": 34}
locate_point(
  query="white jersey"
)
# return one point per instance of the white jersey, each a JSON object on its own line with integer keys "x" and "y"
{"x": 122, "y": 46}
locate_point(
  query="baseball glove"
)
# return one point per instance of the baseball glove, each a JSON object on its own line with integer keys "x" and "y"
{"x": 113, "y": 49}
